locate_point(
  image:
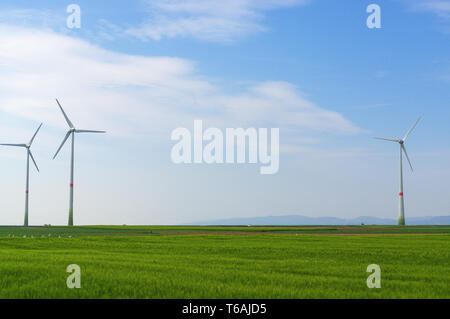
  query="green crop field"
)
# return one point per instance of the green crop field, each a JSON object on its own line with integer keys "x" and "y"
{"x": 225, "y": 262}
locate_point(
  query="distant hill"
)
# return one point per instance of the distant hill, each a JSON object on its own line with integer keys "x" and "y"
{"x": 304, "y": 220}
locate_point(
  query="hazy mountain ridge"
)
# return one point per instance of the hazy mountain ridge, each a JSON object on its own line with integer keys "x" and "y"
{"x": 304, "y": 220}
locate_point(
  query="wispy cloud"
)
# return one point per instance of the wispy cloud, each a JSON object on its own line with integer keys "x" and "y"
{"x": 218, "y": 21}
{"x": 371, "y": 106}
{"x": 439, "y": 8}
{"x": 32, "y": 18}
{"x": 137, "y": 95}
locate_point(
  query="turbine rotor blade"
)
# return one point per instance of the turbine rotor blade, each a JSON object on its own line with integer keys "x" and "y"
{"x": 407, "y": 157}
{"x": 412, "y": 128}
{"x": 387, "y": 139}
{"x": 18, "y": 145}
{"x": 32, "y": 139}
{"x": 89, "y": 131}
{"x": 62, "y": 144}
{"x": 31, "y": 155}
{"x": 65, "y": 115}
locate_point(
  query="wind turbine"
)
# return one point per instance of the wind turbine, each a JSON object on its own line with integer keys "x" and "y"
{"x": 401, "y": 142}
{"x": 29, "y": 154}
{"x": 71, "y": 132}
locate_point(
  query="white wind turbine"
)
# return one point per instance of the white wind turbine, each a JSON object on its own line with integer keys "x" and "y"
{"x": 29, "y": 154}
{"x": 71, "y": 132}
{"x": 401, "y": 142}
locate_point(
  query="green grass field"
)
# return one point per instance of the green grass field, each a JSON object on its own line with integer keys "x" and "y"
{"x": 225, "y": 262}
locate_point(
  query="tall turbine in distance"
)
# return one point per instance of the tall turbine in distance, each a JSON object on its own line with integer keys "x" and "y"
{"x": 71, "y": 132}
{"x": 401, "y": 142}
{"x": 29, "y": 154}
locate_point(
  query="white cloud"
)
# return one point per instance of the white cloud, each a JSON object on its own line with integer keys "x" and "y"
{"x": 280, "y": 104}
{"x": 440, "y": 8}
{"x": 219, "y": 21}
{"x": 33, "y": 17}
{"x": 137, "y": 95}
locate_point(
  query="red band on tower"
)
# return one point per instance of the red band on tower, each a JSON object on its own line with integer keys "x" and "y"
{"x": 71, "y": 185}
{"x": 26, "y": 192}
{"x": 400, "y": 194}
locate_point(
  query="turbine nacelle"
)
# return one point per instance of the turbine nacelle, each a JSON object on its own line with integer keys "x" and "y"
{"x": 402, "y": 141}
{"x": 28, "y": 146}
{"x": 72, "y": 129}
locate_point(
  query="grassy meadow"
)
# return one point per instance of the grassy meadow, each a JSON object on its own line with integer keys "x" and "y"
{"x": 225, "y": 262}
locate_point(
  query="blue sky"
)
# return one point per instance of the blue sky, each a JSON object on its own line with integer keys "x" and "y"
{"x": 140, "y": 69}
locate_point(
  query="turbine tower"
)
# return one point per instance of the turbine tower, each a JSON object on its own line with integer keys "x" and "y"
{"x": 401, "y": 142}
{"x": 71, "y": 132}
{"x": 29, "y": 154}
